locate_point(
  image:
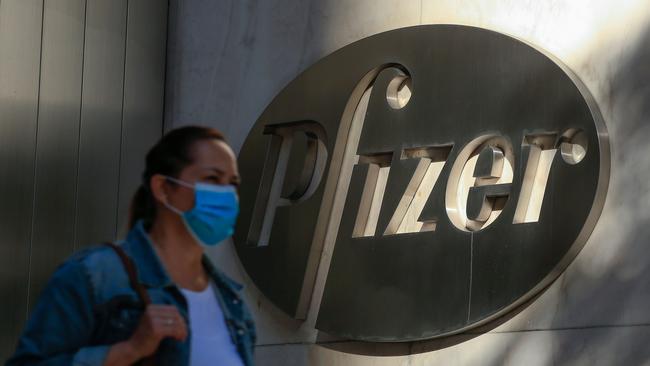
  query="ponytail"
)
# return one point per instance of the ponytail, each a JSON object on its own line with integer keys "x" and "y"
{"x": 142, "y": 207}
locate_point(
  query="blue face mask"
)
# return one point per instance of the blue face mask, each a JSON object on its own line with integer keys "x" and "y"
{"x": 213, "y": 217}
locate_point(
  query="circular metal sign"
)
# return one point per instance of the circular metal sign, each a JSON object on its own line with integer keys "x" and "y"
{"x": 451, "y": 173}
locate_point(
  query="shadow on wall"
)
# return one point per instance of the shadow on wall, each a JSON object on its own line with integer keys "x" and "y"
{"x": 600, "y": 314}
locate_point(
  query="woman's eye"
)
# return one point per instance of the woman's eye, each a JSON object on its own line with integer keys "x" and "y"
{"x": 212, "y": 179}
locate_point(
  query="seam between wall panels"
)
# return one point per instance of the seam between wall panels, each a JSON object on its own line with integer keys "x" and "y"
{"x": 38, "y": 111}
{"x": 119, "y": 160}
{"x": 79, "y": 127}
{"x": 164, "y": 125}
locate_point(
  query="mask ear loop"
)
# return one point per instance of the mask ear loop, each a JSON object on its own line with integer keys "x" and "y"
{"x": 179, "y": 182}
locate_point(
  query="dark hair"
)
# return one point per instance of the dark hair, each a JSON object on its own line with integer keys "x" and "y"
{"x": 169, "y": 156}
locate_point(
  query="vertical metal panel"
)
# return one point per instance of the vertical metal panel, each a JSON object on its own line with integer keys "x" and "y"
{"x": 57, "y": 141}
{"x": 20, "y": 47}
{"x": 101, "y": 118}
{"x": 143, "y": 93}
{"x": 75, "y": 123}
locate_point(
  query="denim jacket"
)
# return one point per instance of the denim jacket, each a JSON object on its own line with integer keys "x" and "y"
{"x": 88, "y": 305}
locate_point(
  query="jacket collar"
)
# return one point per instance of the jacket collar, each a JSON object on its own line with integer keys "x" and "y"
{"x": 139, "y": 246}
{"x": 220, "y": 279}
{"x": 152, "y": 273}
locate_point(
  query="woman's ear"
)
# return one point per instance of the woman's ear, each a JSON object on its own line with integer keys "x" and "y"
{"x": 158, "y": 189}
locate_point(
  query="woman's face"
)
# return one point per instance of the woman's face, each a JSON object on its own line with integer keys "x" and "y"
{"x": 214, "y": 163}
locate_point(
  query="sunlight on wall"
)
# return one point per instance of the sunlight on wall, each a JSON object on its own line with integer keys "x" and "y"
{"x": 571, "y": 30}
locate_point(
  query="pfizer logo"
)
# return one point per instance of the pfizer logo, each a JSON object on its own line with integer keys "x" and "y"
{"x": 449, "y": 172}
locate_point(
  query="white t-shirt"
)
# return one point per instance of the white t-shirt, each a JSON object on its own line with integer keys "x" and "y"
{"x": 210, "y": 342}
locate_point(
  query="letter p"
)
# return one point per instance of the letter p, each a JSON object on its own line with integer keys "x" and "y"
{"x": 270, "y": 195}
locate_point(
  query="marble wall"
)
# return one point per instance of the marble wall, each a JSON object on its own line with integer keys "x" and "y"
{"x": 228, "y": 59}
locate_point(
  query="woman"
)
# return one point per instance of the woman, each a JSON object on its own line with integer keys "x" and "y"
{"x": 91, "y": 314}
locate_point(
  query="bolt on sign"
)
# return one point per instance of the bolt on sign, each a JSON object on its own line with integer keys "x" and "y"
{"x": 451, "y": 173}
